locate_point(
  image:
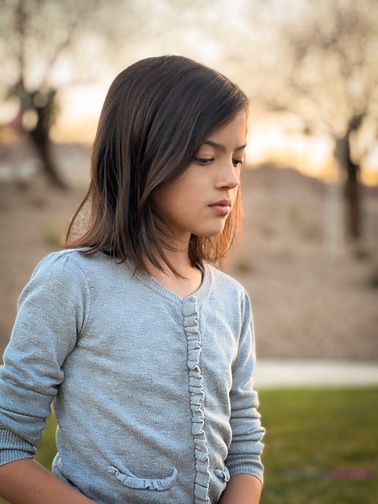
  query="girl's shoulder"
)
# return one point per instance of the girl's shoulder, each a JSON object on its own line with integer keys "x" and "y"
{"x": 222, "y": 280}
{"x": 227, "y": 293}
{"x": 63, "y": 260}
{"x": 71, "y": 259}
{"x": 71, "y": 265}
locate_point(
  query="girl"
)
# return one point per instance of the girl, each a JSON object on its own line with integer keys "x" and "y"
{"x": 145, "y": 348}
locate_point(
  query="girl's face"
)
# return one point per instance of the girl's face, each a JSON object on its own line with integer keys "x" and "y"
{"x": 199, "y": 201}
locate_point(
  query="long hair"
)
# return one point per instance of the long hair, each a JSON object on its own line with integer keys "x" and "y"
{"x": 156, "y": 115}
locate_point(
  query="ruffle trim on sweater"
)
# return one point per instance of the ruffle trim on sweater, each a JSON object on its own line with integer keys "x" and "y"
{"x": 197, "y": 398}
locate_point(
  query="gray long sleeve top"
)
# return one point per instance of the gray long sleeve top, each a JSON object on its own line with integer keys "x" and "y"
{"x": 152, "y": 392}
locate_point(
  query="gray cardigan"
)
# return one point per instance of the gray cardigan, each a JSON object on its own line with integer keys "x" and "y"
{"x": 152, "y": 392}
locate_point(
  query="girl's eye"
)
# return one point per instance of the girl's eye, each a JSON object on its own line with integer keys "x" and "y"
{"x": 203, "y": 161}
{"x": 237, "y": 162}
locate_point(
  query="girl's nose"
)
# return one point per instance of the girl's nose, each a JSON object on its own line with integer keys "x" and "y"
{"x": 229, "y": 175}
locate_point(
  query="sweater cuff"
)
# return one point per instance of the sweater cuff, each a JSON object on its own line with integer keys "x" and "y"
{"x": 13, "y": 447}
{"x": 242, "y": 464}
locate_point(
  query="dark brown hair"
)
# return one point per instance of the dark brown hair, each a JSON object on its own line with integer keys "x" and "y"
{"x": 157, "y": 114}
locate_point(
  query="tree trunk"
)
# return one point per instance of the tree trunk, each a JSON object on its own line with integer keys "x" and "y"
{"x": 42, "y": 145}
{"x": 43, "y": 104}
{"x": 352, "y": 185}
{"x": 352, "y": 192}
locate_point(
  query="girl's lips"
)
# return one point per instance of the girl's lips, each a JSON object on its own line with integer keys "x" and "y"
{"x": 221, "y": 207}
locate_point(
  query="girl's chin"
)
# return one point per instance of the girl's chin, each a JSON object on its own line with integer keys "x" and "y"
{"x": 211, "y": 233}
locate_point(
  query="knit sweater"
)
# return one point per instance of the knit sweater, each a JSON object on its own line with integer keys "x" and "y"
{"x": 152, "y": 392}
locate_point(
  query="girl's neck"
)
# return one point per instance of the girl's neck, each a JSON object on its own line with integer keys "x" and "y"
{"x": 188, "y": 278}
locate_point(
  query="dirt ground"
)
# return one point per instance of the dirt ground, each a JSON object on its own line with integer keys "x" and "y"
{"x": 307, "y": 304}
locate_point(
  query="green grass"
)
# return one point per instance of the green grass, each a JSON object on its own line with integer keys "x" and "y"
{"x": 310, "y": 433}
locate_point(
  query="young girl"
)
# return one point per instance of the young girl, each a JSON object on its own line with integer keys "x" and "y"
{"x": 145, "y": 348}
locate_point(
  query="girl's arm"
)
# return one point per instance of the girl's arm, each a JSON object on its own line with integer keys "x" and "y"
{"x": 50, "y": 315}
{"x": 27, "y": 481}
{"x": 244, "y": 455}
{"x": 242, "y": 489}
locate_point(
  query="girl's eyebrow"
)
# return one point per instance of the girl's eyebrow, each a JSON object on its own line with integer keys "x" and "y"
{"x": 220, "y": 146}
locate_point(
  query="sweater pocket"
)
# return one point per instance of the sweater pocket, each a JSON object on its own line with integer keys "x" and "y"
{"x": 130, "y": 480}
{"x": 218, "y": 482}
{"x": 223, "y": 474}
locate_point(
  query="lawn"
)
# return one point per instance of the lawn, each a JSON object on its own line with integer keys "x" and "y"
{"x": 321, "y": 446}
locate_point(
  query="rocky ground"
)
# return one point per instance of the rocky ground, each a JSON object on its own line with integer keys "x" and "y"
{"x": 307, "y": 304}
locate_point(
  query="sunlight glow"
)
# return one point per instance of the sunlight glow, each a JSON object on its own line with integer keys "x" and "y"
{"x": 80, "y": 109}
{"x": 269, "y": 139}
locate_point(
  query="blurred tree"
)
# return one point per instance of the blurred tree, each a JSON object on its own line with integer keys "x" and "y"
{"x": 46, "y": 45}
{"x": 321, "y": 64}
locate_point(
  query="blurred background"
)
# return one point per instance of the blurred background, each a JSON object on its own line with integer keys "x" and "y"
{"x": 308, "y": 253}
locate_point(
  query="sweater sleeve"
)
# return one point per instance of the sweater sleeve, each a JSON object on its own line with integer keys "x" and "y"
{"x": 51, "y": 313}
{"x": 244, "y": 455}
